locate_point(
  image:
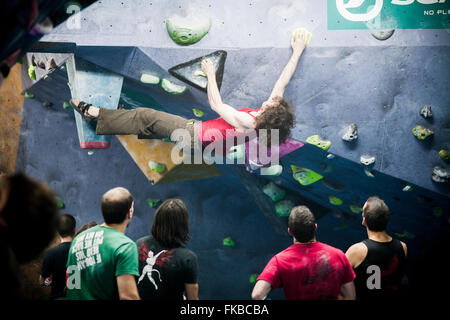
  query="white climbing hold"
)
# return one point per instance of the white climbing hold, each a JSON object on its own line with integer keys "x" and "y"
{"x": 90, "y": 152}
{"x": 352, "y": 133}
{"x": 187, "y": 30}
{"x": 440, "y": 174}
{"x": 425, "y": 111}
{"x": 274, "y": 170}
{"x": 199, "y": 73}
{"x": 407, "y": 188}
{"x": 382, "y": 34}
{"x": 331, "y": 156}
{"x": 367, "y": 160}
{"x": 368, "y": 173}
{"x": 149, "y": 78}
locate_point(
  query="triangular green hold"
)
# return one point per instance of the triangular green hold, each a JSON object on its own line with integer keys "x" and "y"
{"x": 189, "y": 72}
{"x": 319, "y": 142}
{"x": 273, "y": 192}
{"x": 154, "y": 202}
{"x": 156, "y": 166}
{"x": 253, "y": 278}
{"x": 228, "y": 242}
{"x": 60, "y": 203}
{"x": 305, "y": 176}
{"x": 283, "y": 208}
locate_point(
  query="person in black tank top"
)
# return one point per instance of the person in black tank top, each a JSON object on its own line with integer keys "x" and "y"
{"x": 379, "y": 261}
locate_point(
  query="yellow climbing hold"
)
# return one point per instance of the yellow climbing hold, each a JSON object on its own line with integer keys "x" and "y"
{"x": 303, "y": 30}
{"x": 355, "y": 209}
{"x": 319, "y": 142}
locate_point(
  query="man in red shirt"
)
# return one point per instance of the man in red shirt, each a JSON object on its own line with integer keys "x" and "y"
{"x": 307, "y": 270}
{"x": 275, "y": 113}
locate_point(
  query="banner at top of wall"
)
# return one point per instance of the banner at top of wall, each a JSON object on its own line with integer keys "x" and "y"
{"x": 388, "y": 14}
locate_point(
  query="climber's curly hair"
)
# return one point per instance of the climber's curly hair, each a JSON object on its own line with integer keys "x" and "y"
{"x": 279, "y": 115}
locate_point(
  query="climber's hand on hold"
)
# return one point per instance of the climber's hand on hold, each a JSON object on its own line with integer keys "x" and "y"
{"x": 298, "y": 41}
{"x": 208, "y": 68}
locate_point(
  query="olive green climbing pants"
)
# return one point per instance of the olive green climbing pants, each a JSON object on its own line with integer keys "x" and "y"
{"x": 146, "y": 123}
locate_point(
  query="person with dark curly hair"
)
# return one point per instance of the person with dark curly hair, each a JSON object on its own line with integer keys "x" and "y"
{"x": 275, "y": 113}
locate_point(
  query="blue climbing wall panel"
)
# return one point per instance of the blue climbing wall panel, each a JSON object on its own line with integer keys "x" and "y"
{"x": 94, "y": 85}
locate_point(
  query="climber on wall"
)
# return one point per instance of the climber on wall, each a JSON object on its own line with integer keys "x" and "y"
{"x": 275, "y": 113}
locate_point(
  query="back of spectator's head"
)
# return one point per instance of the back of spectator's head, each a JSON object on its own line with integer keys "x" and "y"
{"x": 66, "y": 225}
{"x": 171, "y": 223}
{"x": 116, "y": 203}
{"x": 86, "y": 226}
{"x": 376, "y": 214}
{"x": 302, "y": 224}
{"x": 28, "y": 215}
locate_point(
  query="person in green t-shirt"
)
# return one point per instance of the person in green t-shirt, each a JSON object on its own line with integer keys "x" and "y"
{"x": 103, "y": 261}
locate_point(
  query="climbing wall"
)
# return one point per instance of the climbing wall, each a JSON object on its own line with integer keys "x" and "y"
{"x": 239, "y": 219}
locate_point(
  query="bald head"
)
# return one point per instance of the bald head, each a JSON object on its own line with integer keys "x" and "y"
{"x": 116, "y": 203}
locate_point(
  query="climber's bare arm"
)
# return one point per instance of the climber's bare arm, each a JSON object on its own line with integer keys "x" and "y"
{"x": 239, "y": 120}
{"x": 298, "y": 43}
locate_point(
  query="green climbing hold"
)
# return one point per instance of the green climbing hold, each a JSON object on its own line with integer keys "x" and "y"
{"x": 272, "y": 171}
{"x": 186, "y": 31}
{"x": 228, "y": 242}
{"x": 199, "y": 73}
{"x": 422, "y": 133}
{"x": 154, "y": 202}
{"x": 283, "y": 208}
{"x": 67, "y": 105}
{"x": 32, "y": 72}
{"x": 20, "y": 61}
{"x": 355, "y": 209}
{"x": 166, "y": 140}
{"x": 273, "y": 192}
{"x": 437, "y": 211}
{"x": 253, "y": 278}
{"x": 60, "y": 203}
{"x": 28, "y": 95}
{"x": 319, "y": 142}
{"x": 198, "y": 113}
{"x": 149, "y": 78}
{"x": 335, "y": 201}
{"x": 172, "y": 88}
{"x": 399, "y": 235}
{"x": 236, "y": 153}
{"x": 156, "y": 166}
{"x": 444, "y": 155}
{"x": 340, "y": 228}
{"x": 305, "y": 176}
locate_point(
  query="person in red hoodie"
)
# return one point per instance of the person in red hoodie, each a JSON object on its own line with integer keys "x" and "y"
{"x": 275, "y": 113}
{"x": 308, "y": 269}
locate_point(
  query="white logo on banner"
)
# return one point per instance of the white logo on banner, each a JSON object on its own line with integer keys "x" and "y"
{"x": 343, "y": 10}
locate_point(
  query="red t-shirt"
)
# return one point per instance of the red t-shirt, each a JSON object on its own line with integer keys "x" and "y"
{"x": 211, "y": 130}
{"x": 309, "y": 271}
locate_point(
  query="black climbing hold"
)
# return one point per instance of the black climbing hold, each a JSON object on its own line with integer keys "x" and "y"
{"x": 188, "y": 72}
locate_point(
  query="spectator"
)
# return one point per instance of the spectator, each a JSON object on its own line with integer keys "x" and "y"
{"x": 85, "y": 227}
{"x": 103, "y": 261}
{"x": 380, "y": 257}
{"x": 27, "y": 207}
{"x": 53, "y": 272}
{"x": 308, "y": 269}
{"x": 167, "y": 268}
